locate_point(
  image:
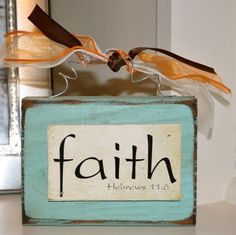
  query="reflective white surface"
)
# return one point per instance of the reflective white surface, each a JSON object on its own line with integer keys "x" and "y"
{"x": 10, "y": 173}
{"x": 205, "y": 31}
{"x": 214, "y": 219}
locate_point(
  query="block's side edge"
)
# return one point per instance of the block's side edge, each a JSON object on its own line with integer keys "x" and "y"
{"x": 26, "y": 105}
{"x": 29, "y": 103}
{"x": 192, "y": 105}
{"x": 195, "y": 113}
{"x": 23, "y": 214}
{"x": 131, "y": 100}
{"x": 190, "y": 221}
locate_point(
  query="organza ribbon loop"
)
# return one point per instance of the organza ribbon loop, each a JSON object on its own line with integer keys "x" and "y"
{"x": 54, "y": 44}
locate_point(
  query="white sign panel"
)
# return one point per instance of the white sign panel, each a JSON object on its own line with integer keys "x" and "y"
{"x": 114, "y": 162}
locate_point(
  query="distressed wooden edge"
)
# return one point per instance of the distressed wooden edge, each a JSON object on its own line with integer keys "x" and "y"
{"x": 195, "y": 113}
{"x": 25, "y": 218}
{"x": 189, "y": 101}
{"x": 190, "y": 221}
{"x": 192, "y": 104}
{"x": 29, "y": 102}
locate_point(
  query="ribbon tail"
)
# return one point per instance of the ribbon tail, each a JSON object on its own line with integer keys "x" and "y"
{"x": 52, "y": 29}
{"x": 204, "y": 99}
{"x": 136, "y": 51}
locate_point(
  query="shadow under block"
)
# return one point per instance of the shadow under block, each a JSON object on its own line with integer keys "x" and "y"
{"x": 109, "y": 161}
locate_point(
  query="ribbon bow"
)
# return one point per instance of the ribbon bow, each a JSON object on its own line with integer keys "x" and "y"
{"x": 54, "y": 44}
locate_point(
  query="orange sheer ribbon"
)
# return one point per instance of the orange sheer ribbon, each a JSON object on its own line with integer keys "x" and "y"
{"x": 23, "y": 48}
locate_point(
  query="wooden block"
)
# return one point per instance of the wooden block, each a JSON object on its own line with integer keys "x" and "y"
{"x": 109, "y": 161}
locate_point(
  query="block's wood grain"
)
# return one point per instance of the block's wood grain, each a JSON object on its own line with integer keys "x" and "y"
{"x": 38, "y": 113}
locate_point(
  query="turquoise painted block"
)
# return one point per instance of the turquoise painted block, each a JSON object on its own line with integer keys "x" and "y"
{"x": 39, "y": 113}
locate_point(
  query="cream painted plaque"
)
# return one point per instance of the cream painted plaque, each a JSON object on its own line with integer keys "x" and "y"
{"x": 114, "y": 162}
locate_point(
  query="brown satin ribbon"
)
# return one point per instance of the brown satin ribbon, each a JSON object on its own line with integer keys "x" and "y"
{"x": 137, "y": 50}
{"x": 115, "y": 62}
{"x": 57, "y": 33}
{"x": 52, "y": 29}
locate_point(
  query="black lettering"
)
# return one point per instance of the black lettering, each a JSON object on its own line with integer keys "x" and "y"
{"x": 134, "y": 160}
{"x": 117, "y": 167}
{"x": 61, "y": 161}
{"x": 101, "y": 169}
{"x": 165, "y": 159}
{"x": 117, "y": 162}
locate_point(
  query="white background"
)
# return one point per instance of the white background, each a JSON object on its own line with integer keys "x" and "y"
{"x": 205, "y": 31}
